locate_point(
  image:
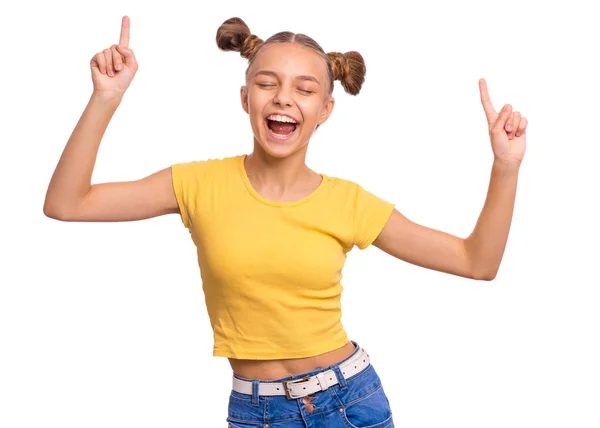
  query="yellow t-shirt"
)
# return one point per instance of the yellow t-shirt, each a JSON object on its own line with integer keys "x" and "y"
{"x": 271, "y": 270}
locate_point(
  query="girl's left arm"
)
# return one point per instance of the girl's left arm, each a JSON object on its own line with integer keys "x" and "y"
{"x": 479, "y": 255}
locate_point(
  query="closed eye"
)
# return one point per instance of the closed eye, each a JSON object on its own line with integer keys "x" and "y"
{"x": 270, "y": 85}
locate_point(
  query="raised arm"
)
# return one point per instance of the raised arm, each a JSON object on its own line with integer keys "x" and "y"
{"x": 479, "y": 255}
{"x": 70, "y": 195}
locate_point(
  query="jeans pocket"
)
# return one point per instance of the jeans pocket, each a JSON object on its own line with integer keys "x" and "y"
{"x": 241, "y": 413}
{"x": 369, "y": 411}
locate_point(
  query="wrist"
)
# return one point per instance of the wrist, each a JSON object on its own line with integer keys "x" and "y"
{"x": 105, "y": 97}
{"x": 506, "y": 165}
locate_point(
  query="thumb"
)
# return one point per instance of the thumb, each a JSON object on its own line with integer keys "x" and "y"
{"x": 130, "y": 60}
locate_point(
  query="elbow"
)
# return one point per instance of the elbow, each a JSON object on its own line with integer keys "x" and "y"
{"x": 48, "y": 212}
{"x": 51, "y": 211}
{"x": 478, "y": 268}
{"x": 481, "y": 272}
{"x": 485, "y": 276}
{"x": 50, "y": 207}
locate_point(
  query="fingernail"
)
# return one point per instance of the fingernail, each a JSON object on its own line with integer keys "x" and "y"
{"x": 508, "y": 127}
{"x": 118, "y": 66}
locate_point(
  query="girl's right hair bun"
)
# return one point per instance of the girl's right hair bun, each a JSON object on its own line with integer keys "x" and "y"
{"x": 234, "y": 35}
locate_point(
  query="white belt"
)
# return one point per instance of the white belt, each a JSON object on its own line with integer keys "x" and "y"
{"x": 297, "y": 388}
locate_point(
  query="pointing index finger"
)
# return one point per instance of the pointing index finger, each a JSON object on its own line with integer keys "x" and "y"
{"x": 488, "y": 107}
{"x": 124, "y": 40}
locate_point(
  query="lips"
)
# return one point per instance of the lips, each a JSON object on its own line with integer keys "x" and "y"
{"x": 280, "y": 137}
{"x": 282, "y": 117}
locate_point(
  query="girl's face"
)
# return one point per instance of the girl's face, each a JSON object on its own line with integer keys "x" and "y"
{"x": 286, "y": 96}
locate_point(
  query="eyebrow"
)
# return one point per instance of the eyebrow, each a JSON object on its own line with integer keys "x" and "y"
{"x": 273, "y": 74}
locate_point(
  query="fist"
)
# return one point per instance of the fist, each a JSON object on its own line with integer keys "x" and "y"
{"x": 113, "y": 69}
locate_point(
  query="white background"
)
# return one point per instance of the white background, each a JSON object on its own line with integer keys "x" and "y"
{"x": 104, "y": 324}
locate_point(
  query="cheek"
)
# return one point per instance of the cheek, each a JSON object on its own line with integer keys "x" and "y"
{"x": 253, "y": 107}
{"x": 311, "y": 111}
{"x": 257, "y": 101}
{"x": 256, "y": 112}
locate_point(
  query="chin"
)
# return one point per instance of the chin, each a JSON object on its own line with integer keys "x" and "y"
{"x": 281, "y": 147}
{"x": 279, "y": 151}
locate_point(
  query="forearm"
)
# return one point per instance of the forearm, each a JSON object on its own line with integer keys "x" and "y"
{"x": 485, "y": 246}
{"x": 72, "y": 177}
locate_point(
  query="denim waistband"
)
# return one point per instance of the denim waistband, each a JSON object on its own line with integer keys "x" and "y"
{"x": 356, "y": 401}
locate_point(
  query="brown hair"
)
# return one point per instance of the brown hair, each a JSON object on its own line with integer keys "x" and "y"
{"x": 349, "y": 68}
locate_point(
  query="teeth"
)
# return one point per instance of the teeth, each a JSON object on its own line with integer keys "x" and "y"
{"x": 280, "y": 118}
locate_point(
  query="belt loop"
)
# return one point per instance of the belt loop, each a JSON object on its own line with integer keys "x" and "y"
{"x": 340, "y": 376}
{"x": 255, "y": 384}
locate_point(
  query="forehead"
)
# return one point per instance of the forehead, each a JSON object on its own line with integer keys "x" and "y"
{"x": 290, "y": 59}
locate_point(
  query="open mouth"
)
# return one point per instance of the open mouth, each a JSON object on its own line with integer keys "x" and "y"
{"x": 281, "y": 127}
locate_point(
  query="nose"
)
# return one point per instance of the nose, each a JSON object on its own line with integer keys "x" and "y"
{"x": 283, "y": 96}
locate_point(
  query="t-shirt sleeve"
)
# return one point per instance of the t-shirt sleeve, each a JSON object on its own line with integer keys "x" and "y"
{"x": 371, "y": 213}
{"x": 189, "y": 179}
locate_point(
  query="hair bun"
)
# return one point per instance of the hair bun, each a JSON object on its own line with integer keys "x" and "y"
{"x": 250, "y": 46}
{"x": 339, "y": 65}
{"x": 234, "y": 35}
{"x": 349, "y": 68}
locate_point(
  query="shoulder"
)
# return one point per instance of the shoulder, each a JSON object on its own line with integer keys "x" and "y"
{"x": 218, "y": 162}
{"x": 207, "y": 166}
{"x": 352, "y": 192}
{"x": 341, "y": 188}
{"x": 341, "y": 184}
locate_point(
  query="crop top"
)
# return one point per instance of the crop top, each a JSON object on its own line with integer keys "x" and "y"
{"x": 271, "y": 270}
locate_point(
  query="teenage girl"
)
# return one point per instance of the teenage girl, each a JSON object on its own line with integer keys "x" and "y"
{"x": 272, "y": 234}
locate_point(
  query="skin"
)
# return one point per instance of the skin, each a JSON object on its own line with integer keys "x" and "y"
{"x": 278, "y": 172}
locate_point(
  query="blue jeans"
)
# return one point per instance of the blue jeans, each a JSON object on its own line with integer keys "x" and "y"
{"x": 358, "y": 402}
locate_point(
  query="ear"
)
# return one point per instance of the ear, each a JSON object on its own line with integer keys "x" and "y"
{"x": 326, "y": 111}
{"x": 244, "y": 98}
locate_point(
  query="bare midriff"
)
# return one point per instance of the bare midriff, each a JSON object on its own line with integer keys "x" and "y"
{"x": 276, "y": 369}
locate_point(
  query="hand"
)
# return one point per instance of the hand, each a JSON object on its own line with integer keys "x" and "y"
{"x": 507, "y": 129}
{"x": 113, "y": 69}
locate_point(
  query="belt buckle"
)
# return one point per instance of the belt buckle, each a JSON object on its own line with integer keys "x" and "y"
{"x": 293, "y": 381}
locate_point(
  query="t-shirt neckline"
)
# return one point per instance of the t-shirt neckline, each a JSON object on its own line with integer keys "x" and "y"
{"x": 260, "y": 198}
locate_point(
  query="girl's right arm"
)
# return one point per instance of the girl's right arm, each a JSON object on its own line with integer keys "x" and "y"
{"x": 70, "y": 195}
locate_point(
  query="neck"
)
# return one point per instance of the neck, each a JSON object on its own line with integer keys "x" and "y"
{"x": 279, "y": 174}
